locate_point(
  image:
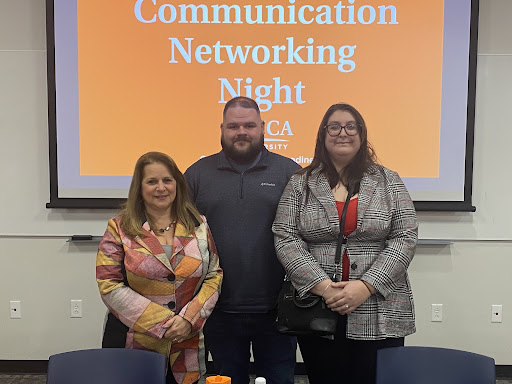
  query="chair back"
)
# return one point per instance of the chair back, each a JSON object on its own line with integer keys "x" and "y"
{"x": 107, "y": 366}
{"x": 427, "y": 365}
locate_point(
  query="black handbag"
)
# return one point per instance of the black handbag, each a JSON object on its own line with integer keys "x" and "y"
{"x": 309, "y": 315}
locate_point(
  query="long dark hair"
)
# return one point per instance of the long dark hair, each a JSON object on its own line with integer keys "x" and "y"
{"x": 353, "y": 172}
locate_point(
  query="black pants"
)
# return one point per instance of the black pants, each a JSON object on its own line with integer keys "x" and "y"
{"x": 230, "y": 336}
{"x": 342, "y": 360}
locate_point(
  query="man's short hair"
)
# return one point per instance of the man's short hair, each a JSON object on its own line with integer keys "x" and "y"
{"x": 241, "y": 101}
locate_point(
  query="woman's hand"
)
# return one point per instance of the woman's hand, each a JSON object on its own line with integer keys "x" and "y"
{"x": 349, "y": 295}
{"x": 179, "y": 329}
{"x": 327, "y": 290}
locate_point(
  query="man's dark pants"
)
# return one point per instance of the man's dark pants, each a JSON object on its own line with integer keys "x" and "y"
{"x": 228, "y": 337}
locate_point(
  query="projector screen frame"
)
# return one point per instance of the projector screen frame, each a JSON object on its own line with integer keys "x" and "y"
{"x": 115, "y": 203}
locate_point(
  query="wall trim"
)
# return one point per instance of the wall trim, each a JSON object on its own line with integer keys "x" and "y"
{"x": 504, "y": 371}
{"x": 31, "y": 367}
{"x": 40, "y": 367}
{"x": 300, "y": 368}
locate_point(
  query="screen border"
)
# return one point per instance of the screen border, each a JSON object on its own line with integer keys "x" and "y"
{"x": 115, "y": 203}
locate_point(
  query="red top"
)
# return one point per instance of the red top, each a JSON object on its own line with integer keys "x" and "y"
{"x": 350, "y": 226}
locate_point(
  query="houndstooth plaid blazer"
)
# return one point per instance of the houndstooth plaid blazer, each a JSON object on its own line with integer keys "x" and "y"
{"x": 380, "y": 249}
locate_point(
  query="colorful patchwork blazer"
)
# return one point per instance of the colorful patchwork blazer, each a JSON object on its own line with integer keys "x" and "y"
{"x": 143, "y": 288}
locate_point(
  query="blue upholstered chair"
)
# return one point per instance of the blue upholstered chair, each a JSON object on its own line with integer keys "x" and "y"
{"x": 429, "y": 365}
{"x": 107, "y": 366}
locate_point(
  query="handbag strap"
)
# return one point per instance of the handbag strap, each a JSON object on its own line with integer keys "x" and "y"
{"x": 341, "y": 238}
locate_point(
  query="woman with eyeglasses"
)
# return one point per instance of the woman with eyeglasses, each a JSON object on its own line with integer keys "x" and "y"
{"x": 372, "y": 294}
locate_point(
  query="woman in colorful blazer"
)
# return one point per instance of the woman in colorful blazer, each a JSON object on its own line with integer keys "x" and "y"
{"x": 158, "y": 271}
{"x": 373, "y": 298}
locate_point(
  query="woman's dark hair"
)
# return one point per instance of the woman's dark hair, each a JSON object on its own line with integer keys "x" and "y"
{"x": 182, "y": 209}
{"x": 364, "y": 158}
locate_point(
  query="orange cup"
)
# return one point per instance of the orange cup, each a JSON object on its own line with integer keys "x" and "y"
{"x": 218, "y": 380}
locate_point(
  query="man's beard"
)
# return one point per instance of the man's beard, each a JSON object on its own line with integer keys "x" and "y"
{"x": 245, "y": 156}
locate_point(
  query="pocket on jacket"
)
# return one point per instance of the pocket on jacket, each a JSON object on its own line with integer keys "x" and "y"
{"x": 398, "y": 313}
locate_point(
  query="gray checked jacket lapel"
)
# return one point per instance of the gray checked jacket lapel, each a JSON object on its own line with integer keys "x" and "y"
{"x": 319, "y": 187}
{"x": 363, "y": 201}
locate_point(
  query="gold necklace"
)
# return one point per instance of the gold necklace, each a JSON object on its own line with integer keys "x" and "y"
{"x": 162, "y": 230}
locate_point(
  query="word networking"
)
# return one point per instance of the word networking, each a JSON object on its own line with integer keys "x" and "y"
{"x": 289, "y": 53}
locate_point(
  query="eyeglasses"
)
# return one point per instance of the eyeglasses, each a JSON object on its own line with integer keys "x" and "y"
{"x": 351, "y": 129}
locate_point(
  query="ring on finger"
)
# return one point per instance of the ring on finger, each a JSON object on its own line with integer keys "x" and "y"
{"x": 346, "y": 306}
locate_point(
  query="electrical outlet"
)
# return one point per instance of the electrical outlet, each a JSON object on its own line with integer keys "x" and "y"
{"x": 437, "y": 312}
{"x": 76, "y": 308}
{"x": 15, "y": 307}
{"x": 497, "y": 310}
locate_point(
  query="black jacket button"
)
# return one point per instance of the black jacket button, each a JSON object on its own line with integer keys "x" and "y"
{"x": 171, "y": 277}
{"x": 171, "y": 305}
{"x": 353, "y": 266}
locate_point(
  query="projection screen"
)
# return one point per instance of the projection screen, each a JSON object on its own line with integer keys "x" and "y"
{"x": 129, "y": 77}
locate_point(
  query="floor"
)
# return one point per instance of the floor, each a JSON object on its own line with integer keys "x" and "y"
{"x": 41, "y": 379}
